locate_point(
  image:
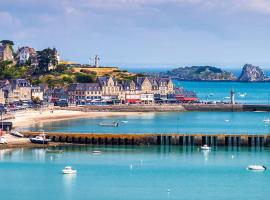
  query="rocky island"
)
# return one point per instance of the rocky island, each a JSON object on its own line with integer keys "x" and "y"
{"x": 251, "y": 73}
{"x": 200, "y": 73}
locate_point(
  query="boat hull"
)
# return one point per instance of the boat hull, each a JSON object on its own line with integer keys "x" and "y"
{"x": 39, "y": 141}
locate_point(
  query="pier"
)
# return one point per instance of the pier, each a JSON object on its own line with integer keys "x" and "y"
{"x": 227, "y": 140}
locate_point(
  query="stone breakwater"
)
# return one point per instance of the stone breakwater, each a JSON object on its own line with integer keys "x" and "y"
{"x": 156, "y": 108}
{"x": 169, "y": 108}
{"x": 158, "y": 139}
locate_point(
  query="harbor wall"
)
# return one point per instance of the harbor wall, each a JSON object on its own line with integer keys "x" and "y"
{"x": 158, "y": 139}
{"x": 169, "y": 108}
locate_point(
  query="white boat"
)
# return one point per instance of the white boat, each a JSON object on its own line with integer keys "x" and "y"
{"x": 69, "y": 170}
{"x": 205, "y": 147}
{"x": 113, "y": 124}
{"x": 96, "y": 152}
{"x": 266, "y": 120}
{"x": 124, "y": 122}
{"x": 3, "y": 140}
{"x": 41, "y": 139}
{"x": 256, "y": 167}
{"x": 242, "y": 95}
{"x": 16, "y": 133}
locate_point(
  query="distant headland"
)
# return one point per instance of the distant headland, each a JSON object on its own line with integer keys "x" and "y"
{"x": 250, "y": 73}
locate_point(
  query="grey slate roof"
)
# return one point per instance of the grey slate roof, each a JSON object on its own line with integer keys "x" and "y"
{"x": 84, "y": 87}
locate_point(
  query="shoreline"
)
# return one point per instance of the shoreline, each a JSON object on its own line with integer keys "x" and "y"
{"x": 27, "y": 118}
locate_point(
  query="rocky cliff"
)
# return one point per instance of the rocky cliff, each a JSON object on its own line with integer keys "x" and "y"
{"x": 252, "y": 73}
{"x": 200, "y": 73}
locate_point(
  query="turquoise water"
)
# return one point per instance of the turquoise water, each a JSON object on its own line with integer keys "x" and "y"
{"x": 256, "y": 93}
{"x": 30, "y": 174}
{"x": 184, "y": 122}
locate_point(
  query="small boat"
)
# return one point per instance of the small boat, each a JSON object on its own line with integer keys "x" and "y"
{"x": 69, "y": 170}
{"x": 96, "y": 152}
{"x": 16, "y": 133}
{"x": 226, "y": 120}
{"x": 205, "y": 147}
{"x": 256, "y": 167}
{"x": 124, "y": 122}
{"x": 113, "y": 124}
{"x": 266, "y": 120}
{"x": 3, "y": 140}
{"x": 242, "y": 95}
{"x": 53, "y": 151}
{"x": 40, "y": 140}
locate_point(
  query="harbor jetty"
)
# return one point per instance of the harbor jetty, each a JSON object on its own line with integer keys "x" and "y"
{"x": 158, "y": 139}
{"x": 168, "y": 108}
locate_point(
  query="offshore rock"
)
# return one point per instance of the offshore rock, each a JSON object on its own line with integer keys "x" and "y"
{"x": 252, "y": 73}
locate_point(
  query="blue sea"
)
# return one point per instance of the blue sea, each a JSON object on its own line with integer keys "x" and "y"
{"x": 132, "y": 173}
{"x": 246, "y": 93}
{"x": 164, "y": 123}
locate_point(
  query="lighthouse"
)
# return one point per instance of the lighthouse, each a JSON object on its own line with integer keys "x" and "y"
{"x": 97, "y": 61}
{"x": 232, "y": 96}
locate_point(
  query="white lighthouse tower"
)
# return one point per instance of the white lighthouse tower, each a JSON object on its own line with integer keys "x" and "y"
{"x": 97, "y": 59}
{"x": 232, "y": 96}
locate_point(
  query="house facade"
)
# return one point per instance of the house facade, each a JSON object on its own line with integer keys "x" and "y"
{"x": 21, "y": 90}
{"x": 2, "y": 96}
{"x": 27, "y": 54}
{"x": 37, "y": 93}
{"x": 109, "y": 86}
{"x": 6, "y": 53}
{"x": 81, "y": 93}
{"x": 143, "y": 89}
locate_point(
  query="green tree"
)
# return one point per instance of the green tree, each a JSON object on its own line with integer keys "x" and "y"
{"x": 7, "y": 42}
{"x": 45, "y": 58}
{"x": 84, "y": 78}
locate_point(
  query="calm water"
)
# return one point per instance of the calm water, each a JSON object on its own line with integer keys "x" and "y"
{"x": 184, "y": 122}
{"x": 134, "y": 173}
{"x": 251, "y": 93}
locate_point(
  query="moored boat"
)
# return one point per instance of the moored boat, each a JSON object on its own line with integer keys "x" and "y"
{"x": 96, "y": 152}
{"x": 256, "y": 167}
{"x": 113, "y": 124}
{"x": 69, "y": 170}
{"x": 205, "y": 147}
{"x": 16, "y": 133}
{"x": 41, "y": 139}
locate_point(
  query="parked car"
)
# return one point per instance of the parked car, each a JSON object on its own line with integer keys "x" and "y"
{"x": 61, "y": 103}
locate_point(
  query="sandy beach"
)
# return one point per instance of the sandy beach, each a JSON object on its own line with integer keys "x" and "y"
{"x": 27, "y": 117}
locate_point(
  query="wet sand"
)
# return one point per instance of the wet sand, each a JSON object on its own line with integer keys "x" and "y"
{"x": 29, "y": 117}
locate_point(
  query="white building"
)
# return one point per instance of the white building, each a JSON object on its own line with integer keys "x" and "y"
{"x": 147, "y": 98}
{"x": 26, "y": 54}
{"x": 37, "y": 92}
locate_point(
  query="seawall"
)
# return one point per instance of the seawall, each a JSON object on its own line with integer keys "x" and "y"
{"x": 159, "y": 139}
{"x": 170, "y": 108}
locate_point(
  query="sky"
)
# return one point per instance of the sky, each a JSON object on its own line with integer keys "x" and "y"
{"x": 144, "y": 33}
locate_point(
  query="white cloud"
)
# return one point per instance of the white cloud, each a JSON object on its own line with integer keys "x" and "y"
{"x": 8, "y": 20}
{"x": 258, "y": 6}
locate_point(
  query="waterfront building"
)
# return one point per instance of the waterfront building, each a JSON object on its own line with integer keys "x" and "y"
{"x": 20, "y": 91}
{"x": 6, "y": 53}
{"x": 82, "y": 93}
{"x": 110, "y": 87}
{"x": 57, "y": 94}
{"x": 2, "y": 96}
{"x": 37, "y": 93}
